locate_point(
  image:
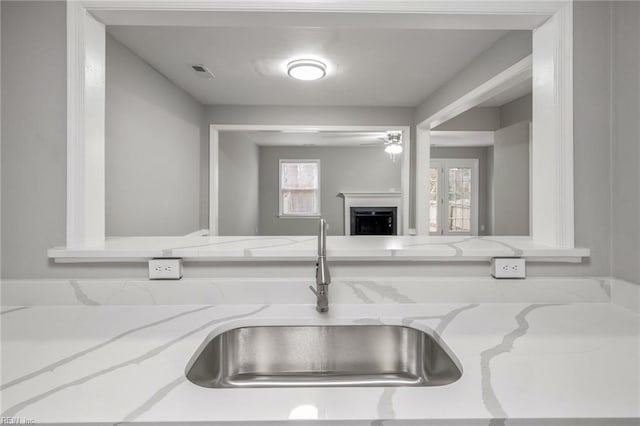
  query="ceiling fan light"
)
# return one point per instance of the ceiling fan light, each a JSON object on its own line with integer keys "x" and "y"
{"x": 394, "y": 148}
{"x": 306, "y": 69}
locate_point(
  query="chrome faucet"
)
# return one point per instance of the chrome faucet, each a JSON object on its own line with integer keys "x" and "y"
{"x": 323, "y": 277}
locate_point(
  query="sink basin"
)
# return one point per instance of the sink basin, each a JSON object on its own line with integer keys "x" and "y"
{"x": 311, "y": 356}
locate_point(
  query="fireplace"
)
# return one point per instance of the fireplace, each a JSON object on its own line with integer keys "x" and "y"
{"x": 374, "y": 220}
{"x": 373, "y": 213}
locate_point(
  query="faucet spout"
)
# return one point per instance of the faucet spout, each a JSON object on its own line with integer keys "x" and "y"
{"x": 323, "y": 276}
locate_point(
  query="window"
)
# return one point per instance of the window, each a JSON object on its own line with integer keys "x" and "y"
{"x": 299, "y": 188}
{"x": 453, "y": 197}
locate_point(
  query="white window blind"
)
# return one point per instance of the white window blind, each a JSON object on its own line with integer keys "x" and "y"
{"x": 299, "y": 187}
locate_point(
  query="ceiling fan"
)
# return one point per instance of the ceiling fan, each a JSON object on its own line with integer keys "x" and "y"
{"x": 392, "y": 142}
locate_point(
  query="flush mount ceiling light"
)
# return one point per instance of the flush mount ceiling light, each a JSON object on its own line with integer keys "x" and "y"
{"x": 306, "y": 69}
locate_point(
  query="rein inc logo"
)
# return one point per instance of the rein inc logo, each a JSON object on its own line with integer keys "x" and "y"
{"x": 16, "y": 421}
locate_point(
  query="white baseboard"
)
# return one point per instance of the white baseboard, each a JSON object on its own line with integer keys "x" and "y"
{"x": 625, "y": 294}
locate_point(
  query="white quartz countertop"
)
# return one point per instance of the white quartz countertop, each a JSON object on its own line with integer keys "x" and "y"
{"x": 304, "y": 248}
{"x": 543, "y": 362}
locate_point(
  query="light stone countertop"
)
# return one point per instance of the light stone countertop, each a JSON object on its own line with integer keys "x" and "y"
{"x": 540, "y": 352}
{"x": 304, "y": 248}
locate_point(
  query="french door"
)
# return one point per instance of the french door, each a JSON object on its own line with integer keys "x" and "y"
{"x": 453, "y": 197}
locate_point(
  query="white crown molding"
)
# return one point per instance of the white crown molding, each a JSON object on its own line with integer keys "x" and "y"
{"x": 414, "y": 6}
{"x": 451, "y": 14}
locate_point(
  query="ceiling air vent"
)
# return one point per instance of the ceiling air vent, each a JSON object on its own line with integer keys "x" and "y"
{"x": 202, "y": 71}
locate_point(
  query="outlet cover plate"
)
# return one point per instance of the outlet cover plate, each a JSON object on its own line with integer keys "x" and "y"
{"x": 508, "y": 267}
{"x": 165, "y": 269}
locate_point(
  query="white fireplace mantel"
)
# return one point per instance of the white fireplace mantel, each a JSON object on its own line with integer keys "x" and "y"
{"x": 372, "y": 199}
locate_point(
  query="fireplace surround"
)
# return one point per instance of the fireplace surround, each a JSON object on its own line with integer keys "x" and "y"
{"x": 372, "y": 213}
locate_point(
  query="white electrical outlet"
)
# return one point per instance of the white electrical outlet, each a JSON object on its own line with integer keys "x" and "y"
{"x": 508, "y": 267}
{"x": 165, "y": 269}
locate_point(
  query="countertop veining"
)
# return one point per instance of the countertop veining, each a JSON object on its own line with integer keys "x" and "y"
{"x": 533, "y": 362}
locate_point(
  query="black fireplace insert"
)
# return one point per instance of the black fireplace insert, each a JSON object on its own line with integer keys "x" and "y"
{"x": 373, "y": 221}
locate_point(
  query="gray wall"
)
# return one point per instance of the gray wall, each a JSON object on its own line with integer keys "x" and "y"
{"x": 153, "y": 144}
{"x": 482, "y": 154}
{"x": 625, "y": 134}
{"x": 511, "y": 180}
{"x": 474, "y": 119}
{"x": 591, "y": 127}
{"x": 238, "y": 187}
{"x": 508, "y": 50}
{"x": 516, "y": 111}
{"x": 33, "y": 135}
{"x": 341, "y": 169}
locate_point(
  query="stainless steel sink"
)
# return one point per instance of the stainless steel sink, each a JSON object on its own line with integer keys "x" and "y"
{"x": 310, "y": 356}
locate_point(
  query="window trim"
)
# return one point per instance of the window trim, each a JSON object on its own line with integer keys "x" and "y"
{"x": 283, "y": 215}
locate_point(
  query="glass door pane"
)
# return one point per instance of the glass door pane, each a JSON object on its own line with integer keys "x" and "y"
{"x": 433, "y": 199}
{"x": 453, "y": 196}
{"x": 459, "y": 199}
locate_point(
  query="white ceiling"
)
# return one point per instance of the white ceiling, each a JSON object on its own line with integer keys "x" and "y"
{"x": 321, "y": 139}
{"x": 360, "y": 138}
{"x": 366, "y": 66}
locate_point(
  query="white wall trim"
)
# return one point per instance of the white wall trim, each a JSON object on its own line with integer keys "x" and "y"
{"x": 423, "y": 160}
{"x": 512, "y": 76}
{"x": 281, "y": 213}
{"x": 462, "y": 138}
{"x": 85, "y": 128}
{"x": 85, "y": 189}
{"x": 503, "y": 7}
{"x": 405, "y": 182}
{"x": 215, "y": 129}
{"x": 625, "y": 293}
{"x": 552, "y": 132}
{"x": 214, "y": 179}
{"x": 551, "y": 64}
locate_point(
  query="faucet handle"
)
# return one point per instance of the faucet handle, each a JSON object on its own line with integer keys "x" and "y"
{"x": 313, "y": 290}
